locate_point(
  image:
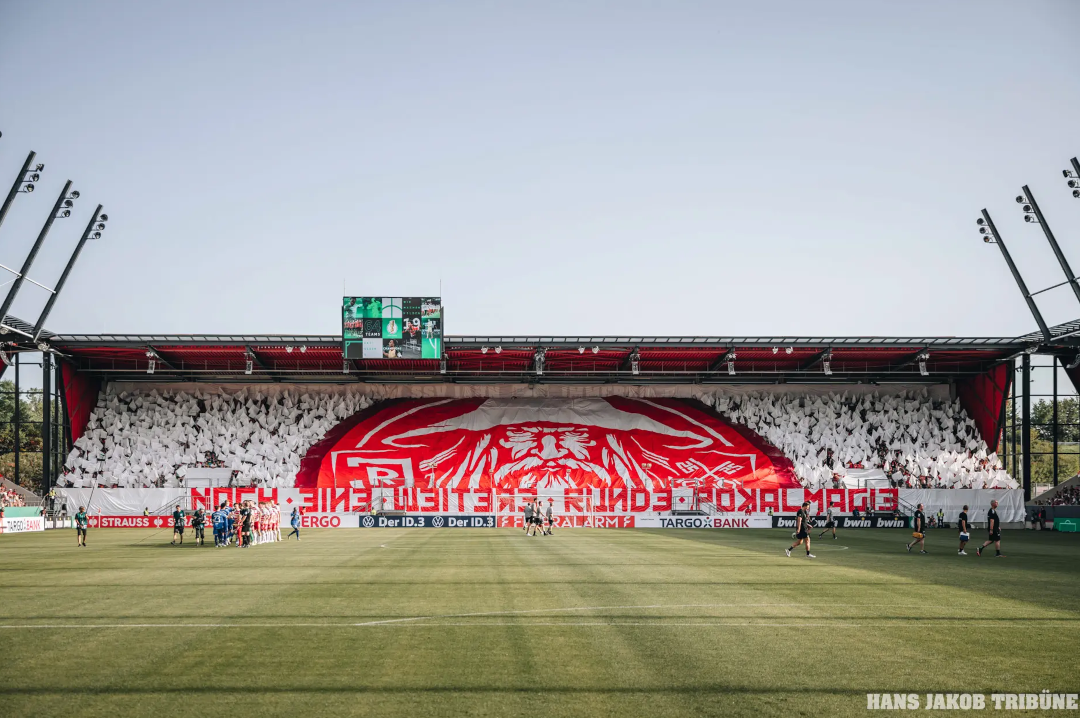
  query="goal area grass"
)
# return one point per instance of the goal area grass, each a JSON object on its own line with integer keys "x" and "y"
{"x": 489, "y": 622}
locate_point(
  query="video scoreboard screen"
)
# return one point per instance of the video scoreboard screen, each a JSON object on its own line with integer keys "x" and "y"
{"x": 392, "y": 327}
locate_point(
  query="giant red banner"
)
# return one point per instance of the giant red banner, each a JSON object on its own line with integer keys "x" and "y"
{"x": 514, "y": 444}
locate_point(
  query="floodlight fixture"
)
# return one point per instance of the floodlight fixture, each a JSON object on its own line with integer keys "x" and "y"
{"x": 303, "y": 348}
{"x": 483, "y": 350}
{"x": 1075, "y": 362}
{"x": 789, "y": 350}
{"x": 581, "y": 350}
{"x": 288, "y": 349}
{"x": 74, "y": 194}
{"x": 775, "y": 350}
{"x": 635, "y": 362}
{"x": 498, "y": 350}
{"x": 596, "y": 350}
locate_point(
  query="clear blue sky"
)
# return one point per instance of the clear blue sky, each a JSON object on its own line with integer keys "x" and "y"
{"x": 579, "y": 167}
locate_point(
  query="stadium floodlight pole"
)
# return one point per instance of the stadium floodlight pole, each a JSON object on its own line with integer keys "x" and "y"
{"x": 93, "y": 231}
{"x": 991, "y": 236}
{"x": 1031, "y": 207}
{"x": 18, "y": 185}
{"x": 61, "y": 202}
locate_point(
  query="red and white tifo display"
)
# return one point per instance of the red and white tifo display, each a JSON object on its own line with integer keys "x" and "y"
{"x": 542, "y": 444}
{"x": 610, "y": 462}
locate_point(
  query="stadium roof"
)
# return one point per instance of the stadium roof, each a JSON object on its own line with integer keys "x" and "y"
{"x": 589, "y": 359}
{"x": 567, "y": 359}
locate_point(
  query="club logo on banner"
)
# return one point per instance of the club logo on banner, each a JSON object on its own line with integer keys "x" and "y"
{"x": 514, "y": 444}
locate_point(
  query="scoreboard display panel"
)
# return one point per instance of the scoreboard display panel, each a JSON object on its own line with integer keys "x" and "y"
{"x": 392, "y": 327}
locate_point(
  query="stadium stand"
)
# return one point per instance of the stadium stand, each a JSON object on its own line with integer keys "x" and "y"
{"x": 916, "y": 441}
{"x": 1067, "y": 493}
{"x": 152, "y": 439}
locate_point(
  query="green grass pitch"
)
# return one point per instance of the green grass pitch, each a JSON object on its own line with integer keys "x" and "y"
{"x": 487, "y": 622}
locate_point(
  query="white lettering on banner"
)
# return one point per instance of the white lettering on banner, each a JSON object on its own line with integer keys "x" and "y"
{"x": 891, "y": 523}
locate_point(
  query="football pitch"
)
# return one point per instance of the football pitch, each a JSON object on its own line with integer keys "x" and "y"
{"x": 488, "y": 622}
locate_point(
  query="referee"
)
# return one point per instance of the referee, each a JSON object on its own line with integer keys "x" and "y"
{"x": 993, "y": 525}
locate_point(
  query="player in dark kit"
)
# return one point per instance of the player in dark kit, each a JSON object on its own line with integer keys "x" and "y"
{"x": 962, "y": 524}
{"x": 993, "y": 526}
{"x": 920, "y": 531}
{"x": 245, "y": 525}
{"x": 802, "y": 530}
{"x": 198, "y": 521}
{"x": 830, "y": 522}
{"x": 178, "y": 525}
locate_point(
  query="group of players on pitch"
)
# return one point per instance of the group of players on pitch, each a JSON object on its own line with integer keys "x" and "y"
{"x": 804, "y": 522}
{"x": 243, "y": 524}
{"x": 536, "y": 514}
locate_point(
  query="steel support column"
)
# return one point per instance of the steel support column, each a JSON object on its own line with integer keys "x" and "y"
{"x": 1016, "y": 276}
{"x": 17, "y": 420}
{"x": 16, "y": 187}
{"x": 46, "y": 422}
{"x": 13, "y": 291}
{"x": 1012, "y": 408}
{"x": 1064, "y": 263}
{"x": 1025, "y": 426}
{"x": 1055, "y": 421}
{"x": 67, "y": 270}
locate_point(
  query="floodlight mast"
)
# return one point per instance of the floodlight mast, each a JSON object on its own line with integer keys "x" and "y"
{"x": 1016, "y": 275}
{"x": 96, "y": 220}
{"x": 15, "y": 188}
{"x": 1069, "y": 276}
{"x": 29, "y": 261}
